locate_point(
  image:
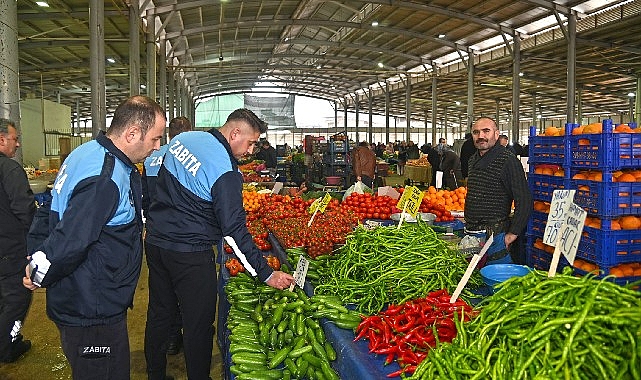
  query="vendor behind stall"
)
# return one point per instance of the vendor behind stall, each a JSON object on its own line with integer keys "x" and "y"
{"x": 364, "y": 164}
{"x": 496, "y": 179}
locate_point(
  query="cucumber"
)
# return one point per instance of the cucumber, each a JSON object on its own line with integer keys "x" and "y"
{"x": 302, "y": 366}
{"x": 290, "y": 365}
{"x": 272, "y": 374}
{"x": 328, "y": 372}
{"x": 279, "y": 357}
{"x": 300, "y": 351}
{"x": 346, "y": 324}
{"x": 313, "y": 360}
{"x": 246, "y": 347}
{"x": 329, "y": 350}
{"x": 319, "y": 350}
{"x": 247, "y": 367}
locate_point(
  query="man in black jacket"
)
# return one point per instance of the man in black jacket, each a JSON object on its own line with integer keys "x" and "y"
{"x": 496, "y": 179}
{"x": 467, "y": 150}
{"x": 17, "y": 208}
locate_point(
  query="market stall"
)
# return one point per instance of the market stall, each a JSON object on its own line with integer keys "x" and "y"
{"x": 418, "y": 171}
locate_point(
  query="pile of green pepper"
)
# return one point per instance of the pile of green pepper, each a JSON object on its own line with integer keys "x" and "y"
{"x": 389, "y": 265}
{"x": 535, "y": 327}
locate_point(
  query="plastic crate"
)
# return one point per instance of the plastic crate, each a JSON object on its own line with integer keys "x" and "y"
{"x": 542, "y": 186}
{"x": 607, "y": 198}
{"x": 609, "y": 248}
{"x": 604, "y": 272}
{"x": 338, "y": 146}
{"x": 536, "y": 224}
{"x": 605, "y": 150}
{"x": 541, "y": 260}
{"x": 547, "y": 149}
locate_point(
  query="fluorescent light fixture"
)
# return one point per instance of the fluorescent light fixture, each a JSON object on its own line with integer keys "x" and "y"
{"x": 374, "y": 23}
{"x": 441, "y": 36}
{"x": 220, "y": 85}
{"x": 457, "y": 103}
{"x": 319, "y": 66}
{"x": 520, "y": 74}
{"x": 42, "y": 4}
{"x": 143, "y": 86}
{"x": 380, "y": 64}
{"x": 111, "y": 60}
{"x": 631, "y": 94}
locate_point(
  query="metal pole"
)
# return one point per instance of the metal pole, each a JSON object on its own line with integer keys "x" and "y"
{"x": 516, "y": 87}
{"x": 151, "y": 56}
{"x": 571, "y": 66}
{"x": 97, "y": 66}
{"x": 370, "y": 127}
{"x": 470, "y": 92}
{"x": 408, "y": 109}
{"x": 434, "y": 110}
{"x": 134, "y": 48}
{"x": 9, "y": 67}
{"x": 387, "y": 107}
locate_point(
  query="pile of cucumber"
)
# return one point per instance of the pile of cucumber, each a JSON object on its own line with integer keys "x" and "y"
{"x": 276, "y": 334}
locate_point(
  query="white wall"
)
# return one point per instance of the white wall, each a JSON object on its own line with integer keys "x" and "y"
{"x": 57, "y": 117}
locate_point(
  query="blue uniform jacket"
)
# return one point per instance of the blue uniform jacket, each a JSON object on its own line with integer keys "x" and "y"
{"x": 149, "y": 174}
{"x": 199, "y": 199}
{"x": 95, "y": 242}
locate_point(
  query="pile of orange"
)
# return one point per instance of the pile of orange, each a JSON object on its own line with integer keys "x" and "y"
{"x": 586, "y": 266}
{"x": 252, "y": 200}
{"x": 542, "y": 206}
{"x": 553, "y": 170}
{"x": 554, "y": 131}
{"x": 590, "y": 175}
{"x": 626, "y": 175}
{"x": 538, "y": 244}
{"x": 626, "y": 270}
{"x": 453, "y": 200}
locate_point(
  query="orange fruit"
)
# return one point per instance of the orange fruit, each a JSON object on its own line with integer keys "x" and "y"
{"x": 580, "y": 175}
{"x": 552, "y": 131}
{"x": 596, "y": 176}
{"x": 559, "y": 173}
{"x": 547, "y": 171}
{"x": 630, "y": 222}
{"x": 623, "y": 128}
{"x": 593, "y": 128}
{"x": 578, "y": 130}
{"x": 538, "y": 170}
{"x": 616, "y": 272}
{"x": 626, "y": 177}
{"x": 615, "y": 226}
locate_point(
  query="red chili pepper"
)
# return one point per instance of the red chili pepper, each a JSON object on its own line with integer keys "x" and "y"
{"x": 409, "y": 357}
{"x": 386, "y": 350}
{"x": 396, "y": 373}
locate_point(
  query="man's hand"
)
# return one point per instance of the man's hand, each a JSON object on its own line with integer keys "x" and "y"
{"x": 26, "y": 280}
{"x": 509, "y": 239}
{"x": 280, "y": 280}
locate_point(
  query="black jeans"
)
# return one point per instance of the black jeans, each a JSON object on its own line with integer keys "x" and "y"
{"x": 187, "y": 279}
{"x": 14, "y": 302}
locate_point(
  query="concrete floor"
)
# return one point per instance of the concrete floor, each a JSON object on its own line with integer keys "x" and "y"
{"x": 45, "y": 360}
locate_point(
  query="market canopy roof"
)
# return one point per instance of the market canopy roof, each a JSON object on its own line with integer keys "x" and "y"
{"x": 336, "y": 49}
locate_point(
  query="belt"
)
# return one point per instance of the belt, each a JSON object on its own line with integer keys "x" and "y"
{"x": 490, "y": 227}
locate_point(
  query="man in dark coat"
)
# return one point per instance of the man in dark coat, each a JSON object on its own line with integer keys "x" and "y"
{"x": 467, "y": 150}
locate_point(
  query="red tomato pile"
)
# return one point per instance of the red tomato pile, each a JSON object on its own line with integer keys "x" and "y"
{"x": 287, "y": 219}
{"x": 259, "y": 233}
{"x": 368, "y": 206}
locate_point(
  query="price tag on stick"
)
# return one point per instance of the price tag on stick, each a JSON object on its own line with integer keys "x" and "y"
{"x": 410, "y": 202}
{"x": 300, "y": 274}
{"x": 561, "y": 201}
{"x": 319, "y": 204}
{"x": 569, "y": 237}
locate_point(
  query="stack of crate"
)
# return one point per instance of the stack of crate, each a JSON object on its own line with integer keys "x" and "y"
{"x": 605, "y": 170}
{"x": 548, "y": 156}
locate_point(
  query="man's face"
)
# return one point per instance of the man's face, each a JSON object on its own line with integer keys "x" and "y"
{"x": 150, "y": 142}
{"x": 485, "y": 135}
{"x": 243, "y": 139}
{"x": 503, "y": 141}
{"x": 9, "y": 142}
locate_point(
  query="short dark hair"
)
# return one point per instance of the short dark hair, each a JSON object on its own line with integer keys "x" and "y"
{"x": 503, "y": 137}
{"x": 244, "y": 114}
{"x": 137, "y": 109}
{"x": 178, "y": 125}
{"x": 4, "y": 125}
{"x": 363, "y": 143}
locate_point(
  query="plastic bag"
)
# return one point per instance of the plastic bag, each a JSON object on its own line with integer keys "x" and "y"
{"x": 358, "y": 188}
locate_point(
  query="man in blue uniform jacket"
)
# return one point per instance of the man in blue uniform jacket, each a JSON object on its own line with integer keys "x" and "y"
{"x": 91, "y": 260}
{"x": 149, "y": 174}
{"x": 198, "y": 202}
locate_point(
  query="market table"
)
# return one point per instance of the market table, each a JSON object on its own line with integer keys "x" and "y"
{"x": 353, "y": 360}
{"x": 422, "y": 174}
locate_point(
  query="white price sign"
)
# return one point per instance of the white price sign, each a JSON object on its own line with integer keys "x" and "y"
{"x": 300, "y": 273}
{"x": 561, "y": 201}
{"x": 569, "y": 236}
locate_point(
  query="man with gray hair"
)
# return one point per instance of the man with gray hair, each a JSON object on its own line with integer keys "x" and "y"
{"x": 17, "y": 207}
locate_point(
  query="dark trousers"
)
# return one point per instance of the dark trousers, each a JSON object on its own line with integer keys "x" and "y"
{"x": 187, "y": 279}
{"x": 14, "y": 302}
{"x": 97, "y": 352}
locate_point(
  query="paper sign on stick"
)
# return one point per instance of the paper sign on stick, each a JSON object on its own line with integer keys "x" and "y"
{"x": 300, "y": 273}
{"x": 569, "y": 237}
{"x": 561, "y": 200}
